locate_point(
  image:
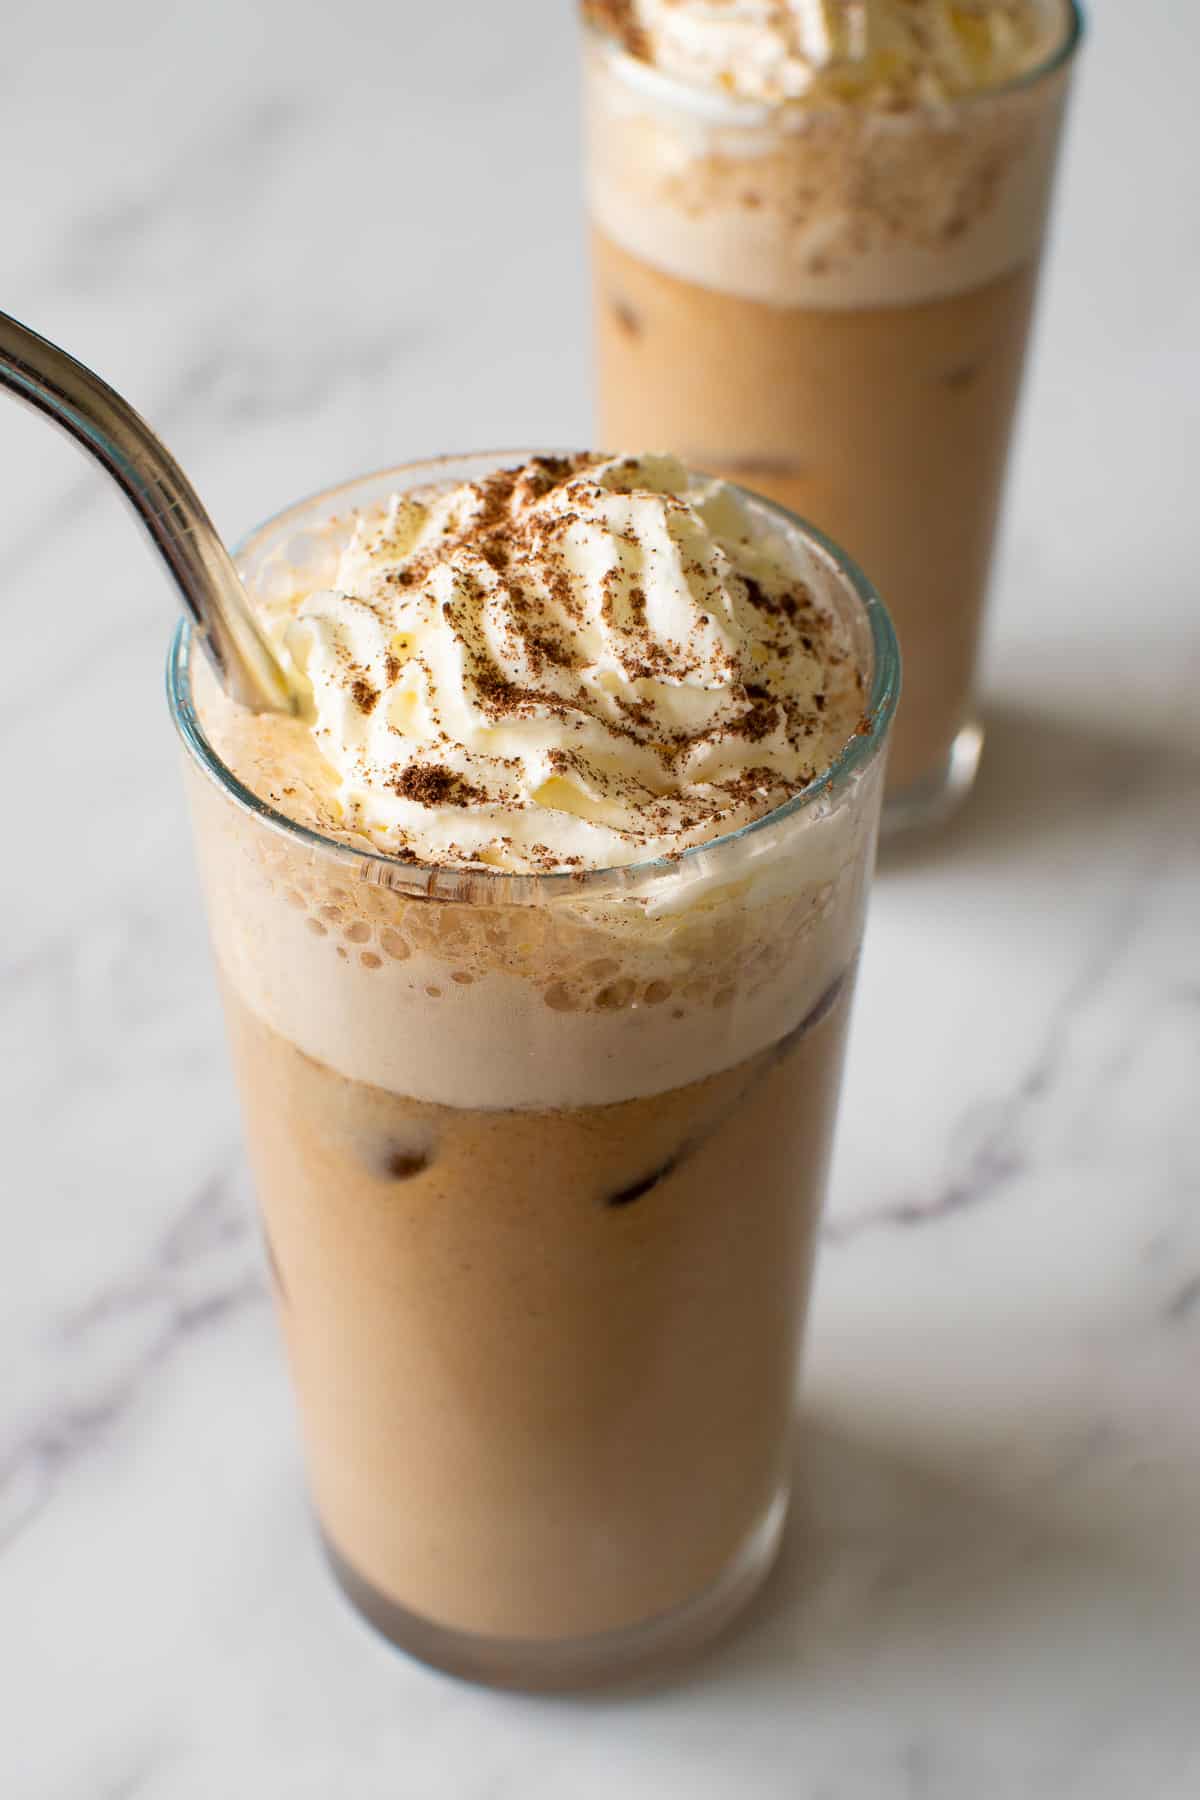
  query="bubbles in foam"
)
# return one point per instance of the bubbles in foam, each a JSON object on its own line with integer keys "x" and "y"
{"x": 839, "y": 206}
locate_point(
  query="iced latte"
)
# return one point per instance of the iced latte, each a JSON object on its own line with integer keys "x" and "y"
{"x": 537, "y": 936}
{"x": 816, "y": 229}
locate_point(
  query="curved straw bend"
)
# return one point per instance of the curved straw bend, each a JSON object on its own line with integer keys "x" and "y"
{"x": 88, "y": 410}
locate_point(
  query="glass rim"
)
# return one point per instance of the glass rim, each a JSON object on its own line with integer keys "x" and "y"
{"x": 511, "y": 886}
{"x": 742, "y": 111}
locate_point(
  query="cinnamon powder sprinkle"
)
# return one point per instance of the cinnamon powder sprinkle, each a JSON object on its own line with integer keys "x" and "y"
{"x": 430, "y": 785}
{"x": 514, "y": 607}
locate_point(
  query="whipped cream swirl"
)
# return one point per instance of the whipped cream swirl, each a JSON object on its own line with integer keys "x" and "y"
{"x": 573, "y": 664}
{"x": 885, "y": 50}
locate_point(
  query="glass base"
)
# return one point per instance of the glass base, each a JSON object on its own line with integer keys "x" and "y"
{"x": 934, "y": 799}
{"x": 540, "y": 1665}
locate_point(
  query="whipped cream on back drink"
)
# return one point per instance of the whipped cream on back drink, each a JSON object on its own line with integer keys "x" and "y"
{"x": 537, "y": 935}
{"x": 817, "y": 227}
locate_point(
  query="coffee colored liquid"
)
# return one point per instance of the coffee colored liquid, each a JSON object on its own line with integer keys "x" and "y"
{"x": 887, "y": 427}
{"x": 544, "y": 1359}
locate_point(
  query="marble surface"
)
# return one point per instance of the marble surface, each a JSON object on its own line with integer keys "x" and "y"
{"x": 309, "y": 241}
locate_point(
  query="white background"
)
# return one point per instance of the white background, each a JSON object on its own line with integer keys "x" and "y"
{"x": 309, "y": 240}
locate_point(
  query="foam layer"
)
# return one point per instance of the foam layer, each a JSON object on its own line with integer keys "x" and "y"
{"x": 561, "y": 1006}
{"x": 818, "y": 205}
{"x": 542, "y": 995}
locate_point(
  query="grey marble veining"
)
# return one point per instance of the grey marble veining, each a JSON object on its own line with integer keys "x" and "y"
{"x": 307, "y": 243}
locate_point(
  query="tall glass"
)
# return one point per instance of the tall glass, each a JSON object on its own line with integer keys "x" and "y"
{"x": 539, "y": 1161}
{"x": 831, "y": 306}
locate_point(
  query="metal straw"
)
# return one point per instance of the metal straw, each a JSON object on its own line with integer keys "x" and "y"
{"x": 88, "y": 410}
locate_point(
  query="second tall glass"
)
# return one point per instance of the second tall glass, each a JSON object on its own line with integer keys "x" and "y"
{"x": 831, "y": 305}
